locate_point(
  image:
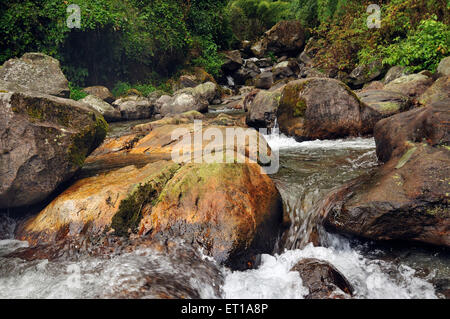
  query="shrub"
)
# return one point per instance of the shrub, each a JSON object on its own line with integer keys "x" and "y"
{"x": 423, "y": 48}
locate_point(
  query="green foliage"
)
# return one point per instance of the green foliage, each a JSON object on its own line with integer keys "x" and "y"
{"x": 423, "y": 48}
{"x": 251, "y": 18}
{"x": 121, "y": 88}
{"x": 209, "y": 58}
{"x": 76, "y": 93}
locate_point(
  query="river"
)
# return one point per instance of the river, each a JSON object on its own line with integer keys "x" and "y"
{"x": 308, "y": 171}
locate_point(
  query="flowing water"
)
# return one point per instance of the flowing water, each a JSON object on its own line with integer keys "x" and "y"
{"x": 308, "y": 171}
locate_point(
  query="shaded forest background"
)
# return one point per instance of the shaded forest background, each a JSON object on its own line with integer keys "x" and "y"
{"x": 139, "y": 43}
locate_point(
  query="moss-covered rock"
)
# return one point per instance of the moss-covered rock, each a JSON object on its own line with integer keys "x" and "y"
{"x": 45, "y": 140}
{"x": 319, "y": 108}
{"x": 231, "y": 210}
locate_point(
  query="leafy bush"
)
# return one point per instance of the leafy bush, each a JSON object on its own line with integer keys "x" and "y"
{"x": 76, "y": 93}
{"x": 208, "y": 56}
{"x": 423, "y": 49}
{"x": 121, "y": 88}
{"x": 251, "y": 18}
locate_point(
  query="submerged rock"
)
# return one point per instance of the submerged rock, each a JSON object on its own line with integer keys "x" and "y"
{"x": 323, "y": 280}
{"x": 36, "y": 72}
{"x": 320, "y": 108}
{"x": 45, "y": 140}
{"x": 408, "y": 198}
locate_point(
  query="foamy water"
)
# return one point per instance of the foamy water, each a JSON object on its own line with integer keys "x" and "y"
{"x": 370, "y": 278}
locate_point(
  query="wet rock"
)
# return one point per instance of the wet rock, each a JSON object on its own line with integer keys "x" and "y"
{"x": 262, "y": 111}
{"x": 394, "y": 73}
{"x": 36, "y": 72}
{"x": 319, "y": 108}
{"x": 444, "y": 67}
{"x": 45, "y": 140}
{"x": 413, "y": 85}
{"x": 382, "y": 104}
{"x": 100, "y": 92}
{"x": 284, "y": 37}
{"x": 323, "y": 280}
{"x": 264, "y": 80}
{"x": 232, "y": 211}
{"x": 428, "y": 124}
{"x": 233, "y": 61}
{"x": 135, "y": 107}
{"x": 408, "y": 197}
{"x": 109, "y": 113}
{"x": 365, "y": 73}
{"x": 439, "y": 91}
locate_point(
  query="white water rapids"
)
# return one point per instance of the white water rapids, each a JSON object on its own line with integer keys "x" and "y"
{"x": 149, "y": 274}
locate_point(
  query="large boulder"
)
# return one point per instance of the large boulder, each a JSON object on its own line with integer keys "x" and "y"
{"x": 444, "y": 67}
{"x": 439, "y": 91}
{"x": 322, "y": 279}
{"x": 412, "y": 85}
{"x": 109, "y": 113}
{"x": 45, "y": 140}
{"x": 382, "y": 104}
{"x": 135, "y": 107}
{"x": 366, "y": 72}
{"x": 408, "y": 197}
{"x": 206, "y": 91}
{"x": 262, "y": 109}
{"x": 320, "y": 108}
{"x": 36, "y": 72}
{"x": 101, "y": 92}
{"x": 233, "y": 211}
{"x": 247, "y": 72}
{"x": 285, "y": 37}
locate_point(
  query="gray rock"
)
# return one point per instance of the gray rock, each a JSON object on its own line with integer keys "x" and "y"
{"x": 100, "y": 91}
{"x": 444, "y": 67}
{"x": 45, "y": 140}
{"x": 365, "y": 73}
{"x": 36, "y": 72}
{"x": 264, "y": 80}
{"x": 262, "y": 109}
{"x": 109, "y": 113}
{"x": 135, "y": 107}
{"x": 394, "y": 73}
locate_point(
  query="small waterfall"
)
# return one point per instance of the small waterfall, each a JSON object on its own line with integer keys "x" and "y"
{"x": 230, "y": 81}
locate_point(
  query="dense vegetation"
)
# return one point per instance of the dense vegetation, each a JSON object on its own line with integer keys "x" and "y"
{"x": 147, "y": 42}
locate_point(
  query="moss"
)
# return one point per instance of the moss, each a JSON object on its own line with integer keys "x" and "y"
{"x": 438, "y": 211}
{"x": 300, "y": 108}
{"x": 146, "y": 193}
{"x": 87, "y": 140}
{"x": 389, "y": 107}
{"x": 405, "y": 158}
